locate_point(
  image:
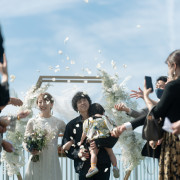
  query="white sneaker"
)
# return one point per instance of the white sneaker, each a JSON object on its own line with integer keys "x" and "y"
{"x": 92, "y": 172}
{"x": 115, "y": 172}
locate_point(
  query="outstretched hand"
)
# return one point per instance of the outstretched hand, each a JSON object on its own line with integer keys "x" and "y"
{"x": 23, "y": 114}
{"x": 15, "y": 102}
{"x": 121, "y": 107}
{"x": 137, "y": 94}
{"x": 116, "y": 132}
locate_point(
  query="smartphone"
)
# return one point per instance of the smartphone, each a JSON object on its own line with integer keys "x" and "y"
{"x": 149, "y": 83}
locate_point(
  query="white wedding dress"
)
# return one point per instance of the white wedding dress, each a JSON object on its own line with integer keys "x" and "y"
{"x": 48, "y": 166}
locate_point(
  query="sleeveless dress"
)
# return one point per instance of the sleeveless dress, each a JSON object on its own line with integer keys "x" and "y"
{"x": 48, "y": 166}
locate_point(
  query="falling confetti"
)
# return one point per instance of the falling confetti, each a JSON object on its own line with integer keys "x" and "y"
{"x": 53, "y": 79}
{"x": 12, "y": 78}
{"x": 79, "y": 143}
{"x": 74, "y": 131}
{"x": 68, "y": 81}
{"x": 113, "y": 64}
{"x": 138, "y": 26}
{"x": 85, "y": 81}
{"x": 98, "y": 65}
{"x": 77, "y": 125}
{"x": 66, "y": 39}
{"x": 57, "y": 66}
{"x": 99, "y": 51}
{"x": 83, "y": 159}
{"x": 72, "y": 62}
{"x": 73, "y": 145}
{"x": 60, "y": 52}
{"x": 66, "y": 151}
{"x": 67, "y": 58}
{"x": 56, "y": 70}
{"x": 71, "y": 137}
{"x": 86, "y": 1}
{"x": 67, "y": 68}
{"x": 124, "y": 65}
{"x": 81, "y": 147}
{"x": 50, "y": 67}
{"x": 106, "y": 170}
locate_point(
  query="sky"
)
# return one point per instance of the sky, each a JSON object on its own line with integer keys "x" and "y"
{"x": 73, "y": 37}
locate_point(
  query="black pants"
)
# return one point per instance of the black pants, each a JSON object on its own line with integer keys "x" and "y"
{"x": 101, "y": 175}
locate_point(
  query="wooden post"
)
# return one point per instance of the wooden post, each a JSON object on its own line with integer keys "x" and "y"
{"x": 127, "y": 175}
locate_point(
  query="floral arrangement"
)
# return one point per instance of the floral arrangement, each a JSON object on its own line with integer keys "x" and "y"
{"x": 37, "y": 140}
{"x": 14, "y": 161}
{"x": 130, "y": 143}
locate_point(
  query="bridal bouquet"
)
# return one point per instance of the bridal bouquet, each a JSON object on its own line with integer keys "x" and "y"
{"x": 37, "y": 140}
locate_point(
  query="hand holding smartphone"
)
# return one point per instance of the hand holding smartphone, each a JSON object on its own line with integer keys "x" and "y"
{"x": 149, "y": 83}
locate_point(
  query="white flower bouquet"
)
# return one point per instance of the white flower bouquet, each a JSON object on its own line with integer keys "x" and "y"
{"x": 37, "y": 140}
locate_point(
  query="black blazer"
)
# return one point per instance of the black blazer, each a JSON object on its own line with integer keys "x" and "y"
{"x": 169, "y": 104}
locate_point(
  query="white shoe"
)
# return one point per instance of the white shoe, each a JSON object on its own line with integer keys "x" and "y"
{"x": 115, "y": 172}
{"x": 92, "y": 172}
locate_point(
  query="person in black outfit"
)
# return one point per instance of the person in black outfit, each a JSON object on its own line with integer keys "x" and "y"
{"x": 140, "y": 117}
{"x": 168, "y": 106}
{"x": 81, "y": 156}
{"x": 4, "y": 87}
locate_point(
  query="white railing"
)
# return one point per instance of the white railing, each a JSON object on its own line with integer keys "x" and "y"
{"x": 147, "y": 170}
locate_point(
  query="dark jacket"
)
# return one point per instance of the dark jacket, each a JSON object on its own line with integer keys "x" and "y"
{"x": 80, "y": 166}
{"x": 1, "y": 46}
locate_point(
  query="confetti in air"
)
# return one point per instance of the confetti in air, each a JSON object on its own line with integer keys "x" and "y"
{"x": 124, "y": 65}
{"x": 98, "y": 66}
{"x": 72, "y": 62}
{"x": 53, "y": 79}
{"x": 12, "y": 78}
{"x": 138, "y": 26}
{"x": 99, "y": 51}
{"x": 66, "y": 40}
{"x": 67, "y": 58}
{"x": 86, "y": 1}
{"x": 71, "y": 137}
{"x": 77, "y": 125}
{"x": 68, "y": 81}
{"x": 67, "y": 68}
{"x": 106, "y": 170}
{"x": 85, "y": 81}
{"x": 83, "y": 159}
{"x": 74, "y": 131}
{"x": 56, "y": 70}
{"x": 113, "y": 64}
{"x": 60, "y": 52}
{"x": 50, "y": 67}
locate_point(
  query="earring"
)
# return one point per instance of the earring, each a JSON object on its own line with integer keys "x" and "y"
{"x": 174, "y": 73}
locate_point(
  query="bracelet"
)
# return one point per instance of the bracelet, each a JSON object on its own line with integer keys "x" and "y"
{"x": 18, "y": 118}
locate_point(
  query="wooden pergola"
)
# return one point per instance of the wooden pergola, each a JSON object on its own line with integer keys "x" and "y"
{"x": 68, "y": 79}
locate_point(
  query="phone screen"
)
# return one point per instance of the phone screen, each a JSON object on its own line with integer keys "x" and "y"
{"x": 149, "y": 83}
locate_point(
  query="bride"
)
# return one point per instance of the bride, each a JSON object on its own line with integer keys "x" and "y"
{"x": 47, "y": 167}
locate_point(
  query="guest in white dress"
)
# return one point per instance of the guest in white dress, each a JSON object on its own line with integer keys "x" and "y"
{"x": 48, "y": 166}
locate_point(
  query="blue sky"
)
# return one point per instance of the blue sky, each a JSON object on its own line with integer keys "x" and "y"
{"x": 139, "y": 34}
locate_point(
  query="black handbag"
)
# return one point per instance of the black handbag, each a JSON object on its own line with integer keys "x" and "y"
{"x": 152, "y": 129}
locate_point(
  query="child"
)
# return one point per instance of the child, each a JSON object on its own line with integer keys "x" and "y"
{"x": 93, "y": 128}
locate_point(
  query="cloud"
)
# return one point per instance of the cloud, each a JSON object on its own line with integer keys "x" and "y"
{"x": 12, "y": 8}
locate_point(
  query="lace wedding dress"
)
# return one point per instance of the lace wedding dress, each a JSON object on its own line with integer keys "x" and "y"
{"x": 48, "y": 166}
